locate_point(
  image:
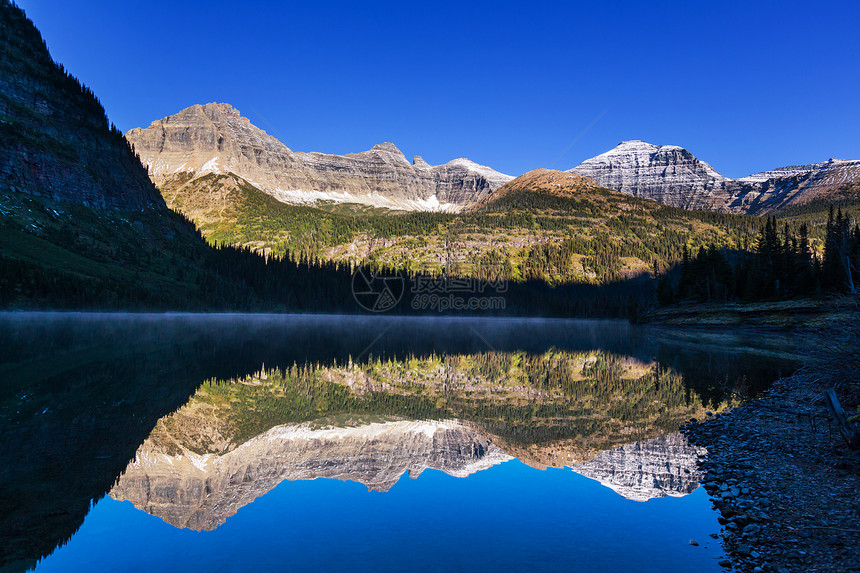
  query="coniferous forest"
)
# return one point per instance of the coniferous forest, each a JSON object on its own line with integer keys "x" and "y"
{"x": 783, "y": 265}
{"x": 80, "y": 261}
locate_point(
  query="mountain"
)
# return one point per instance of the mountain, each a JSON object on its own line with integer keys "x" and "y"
{"x": 674, "y": 176}
{"x": 215, "y": 138}
{"x": 236, "y": 440}
{"x": 579, "y": 231}
{"x": 55, "y": 140}
{"x": 544, "y": 225}
{"x": 789, "y": 188}
{"x": 81, "y": 224}
{"x": 200, "y": 491}
{"x": 668, "y": 174}
{"x": 540, "y": 188}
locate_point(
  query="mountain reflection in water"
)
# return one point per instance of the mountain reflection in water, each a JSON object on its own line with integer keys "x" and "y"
{"x": 96, "y": 404}
{"x": 375, "y": 421}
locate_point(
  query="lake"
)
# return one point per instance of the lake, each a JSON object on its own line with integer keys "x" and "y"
{"x": 178, "y": 442}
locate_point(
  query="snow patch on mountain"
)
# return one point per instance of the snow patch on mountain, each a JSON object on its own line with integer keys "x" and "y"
{"x": 210, "y": 166}
{"x": 300, "y": 197}
{"x": 488, "y": 173}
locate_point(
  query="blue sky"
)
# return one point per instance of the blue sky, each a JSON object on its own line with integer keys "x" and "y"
{"x": 746, "y": 86}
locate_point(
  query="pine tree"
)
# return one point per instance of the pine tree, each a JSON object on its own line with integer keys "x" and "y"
{"x": 830, "y": 264}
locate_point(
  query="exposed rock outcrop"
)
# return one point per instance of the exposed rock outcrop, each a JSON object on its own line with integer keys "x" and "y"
{"x": 674, "y": 176}
{"x": 215, "y": 138}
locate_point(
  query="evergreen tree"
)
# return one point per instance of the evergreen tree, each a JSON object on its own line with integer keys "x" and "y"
{"x": 830, "y": 266}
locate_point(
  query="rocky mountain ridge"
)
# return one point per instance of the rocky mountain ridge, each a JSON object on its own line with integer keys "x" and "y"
{"x": 216, "y": 138}
{"x": 674, "y": 176}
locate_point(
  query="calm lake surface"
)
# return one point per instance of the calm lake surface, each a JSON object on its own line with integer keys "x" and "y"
{"x": 325, "y": 443}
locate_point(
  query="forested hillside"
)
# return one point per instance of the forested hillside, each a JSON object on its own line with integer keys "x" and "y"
{"x": 548, "y": 226}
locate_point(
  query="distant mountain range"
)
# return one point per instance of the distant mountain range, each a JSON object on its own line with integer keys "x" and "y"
{"x": 674, "y": 176}
{"x": 215, "y": 138}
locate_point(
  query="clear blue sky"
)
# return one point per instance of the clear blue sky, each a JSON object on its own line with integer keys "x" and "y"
{"x": 746, "y": 86}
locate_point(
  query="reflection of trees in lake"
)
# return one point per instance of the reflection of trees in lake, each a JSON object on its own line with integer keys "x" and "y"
{"x": 596, "y": 400}
{"x": 371, "y": 421}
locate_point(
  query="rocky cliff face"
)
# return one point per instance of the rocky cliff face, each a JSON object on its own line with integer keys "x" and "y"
{"x": 665, "y": 466}
{"x": 666, "y": 173}
{"x": 215, "y": 138}
{"x": 672, "y": 175}
{"x": 201, "y": 491}
{"x": 770, "y": 191}
{"x": 55, "y": 140}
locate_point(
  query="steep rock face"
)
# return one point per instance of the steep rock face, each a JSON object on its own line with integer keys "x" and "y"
{"x": 215, "y": 138}
{"x": 672, "y": 175}
{"x": 640, "y": 471}
{"x": 201, "y": 491}
{"x": 788, "y": 186}
{"x": 55, "y": 140}
{"x": 666, "y": 173}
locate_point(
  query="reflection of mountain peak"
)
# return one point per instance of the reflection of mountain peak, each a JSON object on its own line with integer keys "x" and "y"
{"x": 640, "y": 471}
{"x": 236, "y": 440}
{"x": 201, "y": 491}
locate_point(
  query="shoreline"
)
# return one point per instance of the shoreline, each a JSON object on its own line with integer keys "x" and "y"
{"x": 784, "y": 481}
{"x": 785, "y": 315}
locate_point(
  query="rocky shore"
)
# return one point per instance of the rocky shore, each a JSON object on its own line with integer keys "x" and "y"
{"x": 784, "y": 481}
{"x": 796, "y": 316}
